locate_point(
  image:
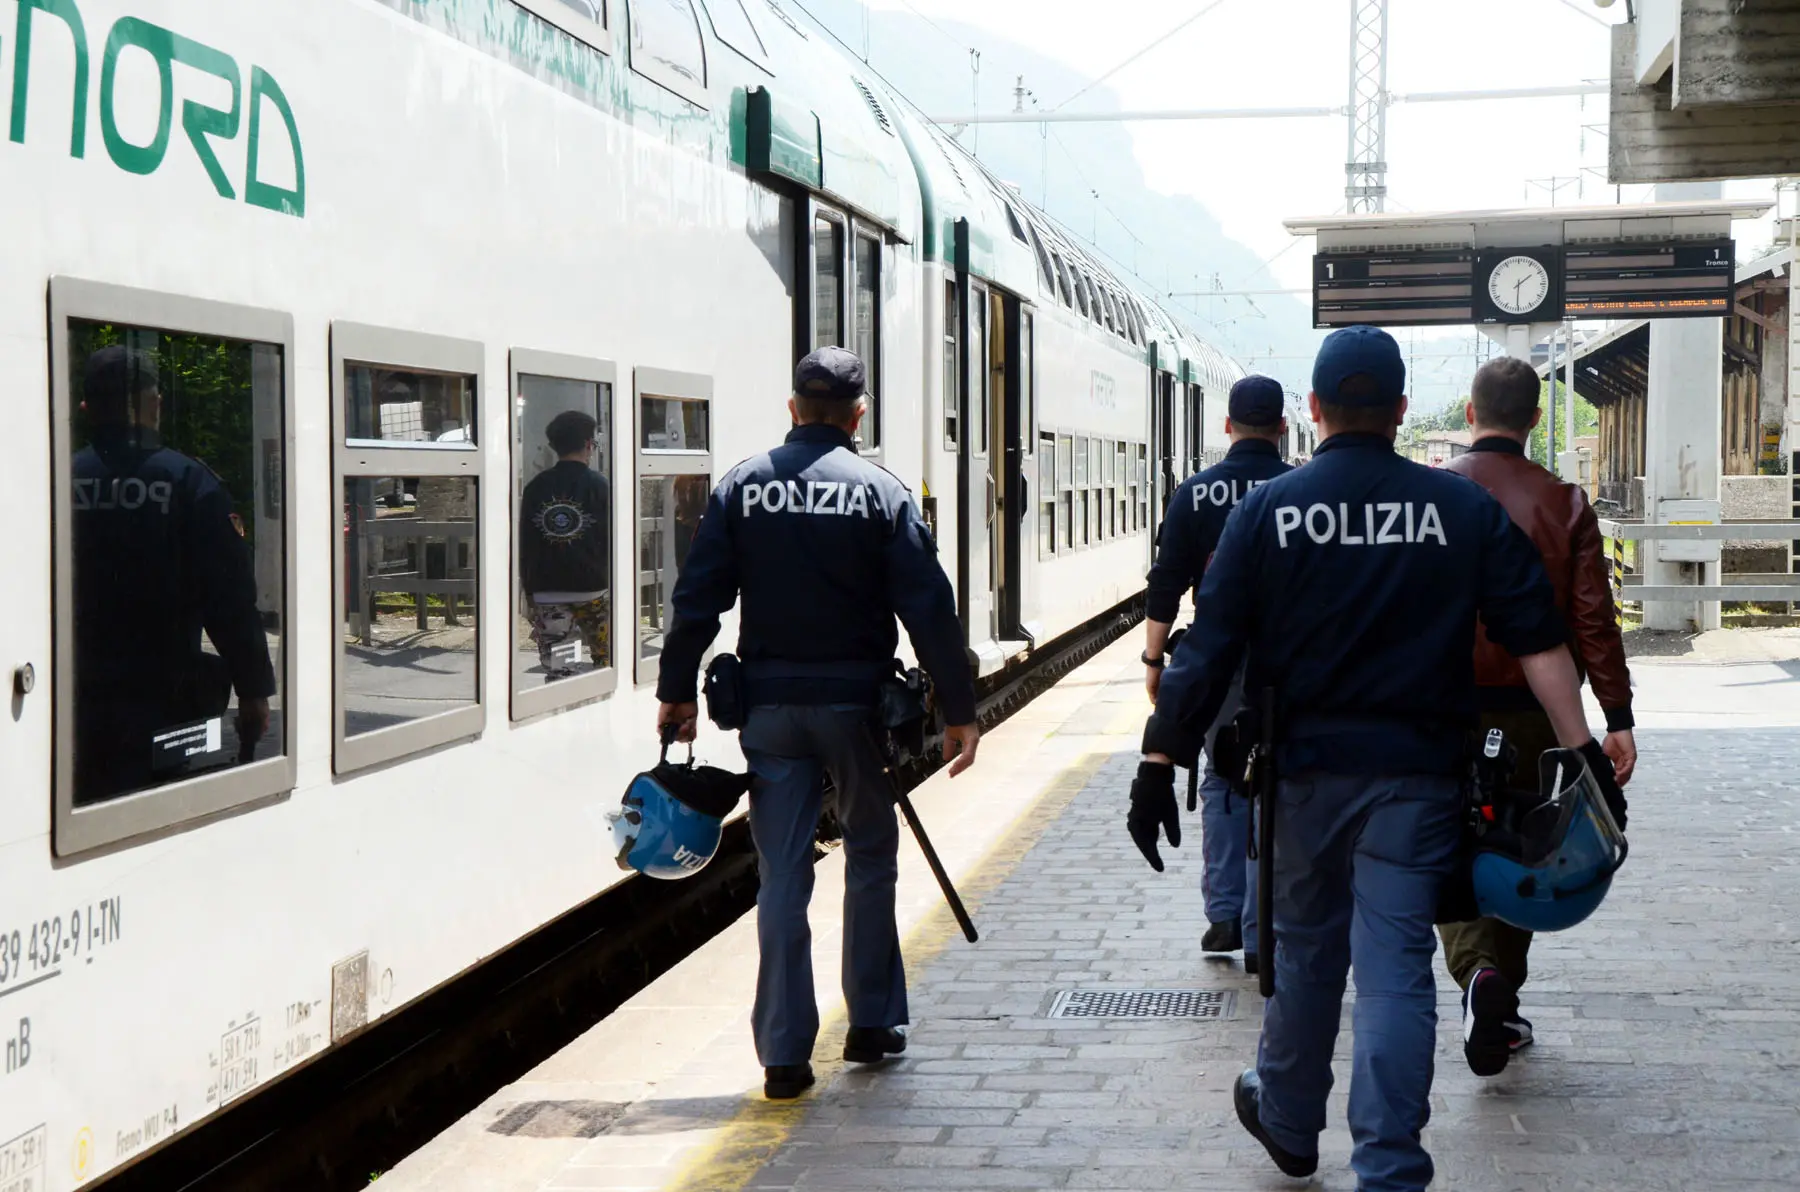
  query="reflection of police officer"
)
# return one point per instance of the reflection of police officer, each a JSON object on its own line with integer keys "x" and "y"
{"x": 1354, "y": 583}
{"x": 1189, "y": 535}
{"x": 824, "y": 549}
{"x": 158, "y": 559}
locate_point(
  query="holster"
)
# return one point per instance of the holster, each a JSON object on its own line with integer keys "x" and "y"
{"x": 1487, "y": 809}
{"x": 726, "y": 705}
{"x": 1232, "y": 747}
{"x": 903, "y": 708}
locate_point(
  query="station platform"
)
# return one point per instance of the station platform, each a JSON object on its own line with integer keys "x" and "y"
{"x": 1668, "y": 1026}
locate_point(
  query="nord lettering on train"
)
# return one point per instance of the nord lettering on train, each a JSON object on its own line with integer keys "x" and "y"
{"x": 203, "y": 125}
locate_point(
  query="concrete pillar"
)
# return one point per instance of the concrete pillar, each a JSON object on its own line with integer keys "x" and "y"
{"x": 1682, "y": 439}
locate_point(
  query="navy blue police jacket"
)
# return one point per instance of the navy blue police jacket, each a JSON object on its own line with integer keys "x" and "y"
{"x": 1196, "y": 517}
{"x": 158, "y": 559}
{"x": 1355, "y": 583}
{"x": 825, "y": 549}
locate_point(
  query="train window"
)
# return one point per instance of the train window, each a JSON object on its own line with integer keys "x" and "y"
{"x": 1082, "y": 480}
{"x": 1062, "y": 280}
{"x": 1140, "y": 480}
{"x": 1081, "y": 297}
{"x": 1109, "y": 467}
{"x": 674, "y": 475}
{"x": 1096, "y": 489}
{"x": 1014, "y": 223}
{"x": 562, "y": 493}
{"x": 1045, "y": 274}
{"x": 172, "y": 533}
{"x": 1065, "y": 491}
{"x": 865, "y": 334}
{"x": 980, "y": 355}
{"x": 666, "y": 46}
{"x": 1123, "y": 492}
{"x": 585, "y": 19}
{"x": 732, "y": 24}
{"x": 407, "y": 572}
{"x": 1047, "y": 536}
{"x": 952, "y": 395}
{"x": 1028, "y": 372}
{"x": 828, "y": 282}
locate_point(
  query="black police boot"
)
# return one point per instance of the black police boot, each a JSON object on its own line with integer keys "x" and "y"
{"x": 1246, "y": 1096}
{"x": 1227, "y": 935}
{"x": 872, "y": 1044}
{"x": 784, "y": 1082}
{"x": 1490, "y": 1005}
{"x": 1251, "y": 964}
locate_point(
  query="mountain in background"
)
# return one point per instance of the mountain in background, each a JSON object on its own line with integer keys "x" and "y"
{"x": 1164, "y": 243}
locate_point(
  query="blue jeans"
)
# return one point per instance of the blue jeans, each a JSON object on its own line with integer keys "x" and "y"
{"x": 1358, "y": 864}
{"x": 790, "y": 750}
{"x": 1228, "y": 881}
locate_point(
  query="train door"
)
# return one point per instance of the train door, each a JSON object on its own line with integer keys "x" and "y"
{"x": 977, "y": 497}
{"x": 1162, "y": 443}
{"x": 1017, "y": 414}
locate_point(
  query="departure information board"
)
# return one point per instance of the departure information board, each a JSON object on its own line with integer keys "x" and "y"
{"x": 1396, "y": 289}
{"x": 1649, "y": 280}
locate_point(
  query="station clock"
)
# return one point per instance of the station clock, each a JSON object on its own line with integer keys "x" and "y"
{"x": 1518, "y": 285}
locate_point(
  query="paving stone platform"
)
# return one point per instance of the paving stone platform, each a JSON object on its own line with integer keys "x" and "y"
{"x": 1668, "y": 1054}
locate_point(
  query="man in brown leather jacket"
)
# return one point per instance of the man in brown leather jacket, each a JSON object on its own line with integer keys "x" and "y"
{"x": 1488, "y": 957}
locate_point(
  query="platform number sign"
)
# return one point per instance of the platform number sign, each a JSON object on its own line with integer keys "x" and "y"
{"x": 1404, "y": 289}
{"x": 1657, "y": 280}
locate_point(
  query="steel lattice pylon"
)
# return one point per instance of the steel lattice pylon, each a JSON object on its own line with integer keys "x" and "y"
{"x": 1365, "y": 166}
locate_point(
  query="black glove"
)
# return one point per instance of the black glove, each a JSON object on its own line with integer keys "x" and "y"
{"x": 1602, "y": 768}
{"x": 1153, "y": 807}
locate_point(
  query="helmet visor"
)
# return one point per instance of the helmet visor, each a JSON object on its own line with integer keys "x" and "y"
{"x": 1572, "y": 825}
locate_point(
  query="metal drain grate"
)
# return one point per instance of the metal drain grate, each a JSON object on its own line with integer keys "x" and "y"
{"x": 1141, "y": 1003}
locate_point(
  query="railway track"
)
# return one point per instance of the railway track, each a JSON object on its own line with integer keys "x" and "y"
{"x": 373, "y": 1099}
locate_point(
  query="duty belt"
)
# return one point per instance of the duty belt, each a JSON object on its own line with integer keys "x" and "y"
{"x": 813, "y": 683}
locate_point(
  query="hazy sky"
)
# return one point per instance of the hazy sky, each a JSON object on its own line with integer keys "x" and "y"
{"x": 1252, "y": 174}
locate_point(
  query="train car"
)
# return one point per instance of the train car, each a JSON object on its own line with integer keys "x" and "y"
{"x": 343, "y": 297}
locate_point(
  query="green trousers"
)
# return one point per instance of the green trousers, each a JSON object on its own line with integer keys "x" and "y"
{"x": 1489, "y": 943}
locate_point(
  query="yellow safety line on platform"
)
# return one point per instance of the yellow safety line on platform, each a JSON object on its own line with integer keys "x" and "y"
{"x": 761, "y": 1127}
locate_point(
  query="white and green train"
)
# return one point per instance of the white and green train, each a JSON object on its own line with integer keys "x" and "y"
{"x": 371, "y": 247}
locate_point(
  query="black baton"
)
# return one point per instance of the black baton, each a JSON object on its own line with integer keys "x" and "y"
{"x": 1265, "y": 860}
{"x": 931, "y": 858}
{"x": 1194, "y": 787}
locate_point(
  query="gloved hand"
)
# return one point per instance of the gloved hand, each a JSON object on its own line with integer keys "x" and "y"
{"x": 1153, "y": 807}
{"x": 1601, "y": 767}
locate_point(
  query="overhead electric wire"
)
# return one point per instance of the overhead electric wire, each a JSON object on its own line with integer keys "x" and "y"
{"x": 1121, "y": 66}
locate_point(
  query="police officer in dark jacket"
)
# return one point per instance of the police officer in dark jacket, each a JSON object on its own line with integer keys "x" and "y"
{"x": 824, "y": 549}
{"x": 1189, "y": 535}
{"x": 1354, "y": 585}
{"x": 158, "y": 560}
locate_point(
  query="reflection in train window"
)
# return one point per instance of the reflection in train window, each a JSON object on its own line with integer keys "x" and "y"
{"x": 178, "y": 560}
{"x": 666, "y": 45}
{"x": 865, "y": 323}
{"x": 673, "y": 486}
{"x": 669, "y": 511}
{"x": 952, "y": 397}
{"x": 563, "y": 490}
{"x": 411, "y": 632}
{"x": 1065, "y": 489}
{"x": 1122, "y": 494}
{"x": 1046, "y": 455}
{"x": 1140, "y": 482}
{"x": 673, "y": 424}
{"x": 828, "y": 283}
{"x": 409, "y": 407}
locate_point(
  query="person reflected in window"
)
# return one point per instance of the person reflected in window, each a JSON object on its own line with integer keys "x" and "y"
{"x": 159, "y": 557}
{"x": 564, "y": 552}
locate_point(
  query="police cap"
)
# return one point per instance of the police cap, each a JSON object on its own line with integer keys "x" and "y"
{"x": 833, "y": 374}
{"x": 1257, "y": 401}
{"x": 1366, "y": 351}
{"x": 116, "y": 374}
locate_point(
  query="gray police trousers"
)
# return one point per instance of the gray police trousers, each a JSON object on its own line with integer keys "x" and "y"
{"x": 791, "y": 748}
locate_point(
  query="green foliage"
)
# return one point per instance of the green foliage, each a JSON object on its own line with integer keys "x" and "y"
{"x": 1587, "y": 422}
{"x": 207, "y": 410}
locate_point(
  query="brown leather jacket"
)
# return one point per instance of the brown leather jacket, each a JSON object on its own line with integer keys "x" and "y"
{"x": 1558, "y": 518}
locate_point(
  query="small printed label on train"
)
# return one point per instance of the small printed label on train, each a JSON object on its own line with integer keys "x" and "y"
{"x": 172, "y": 747}
{"x": 22, "y": 1162}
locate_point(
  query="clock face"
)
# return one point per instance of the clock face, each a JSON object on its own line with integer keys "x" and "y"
{"x": 1518, "y": 285}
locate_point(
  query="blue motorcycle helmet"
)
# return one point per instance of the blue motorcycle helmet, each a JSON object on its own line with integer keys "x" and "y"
{"x": 670, "y": 821}
{"x": 1549, "y": 864}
